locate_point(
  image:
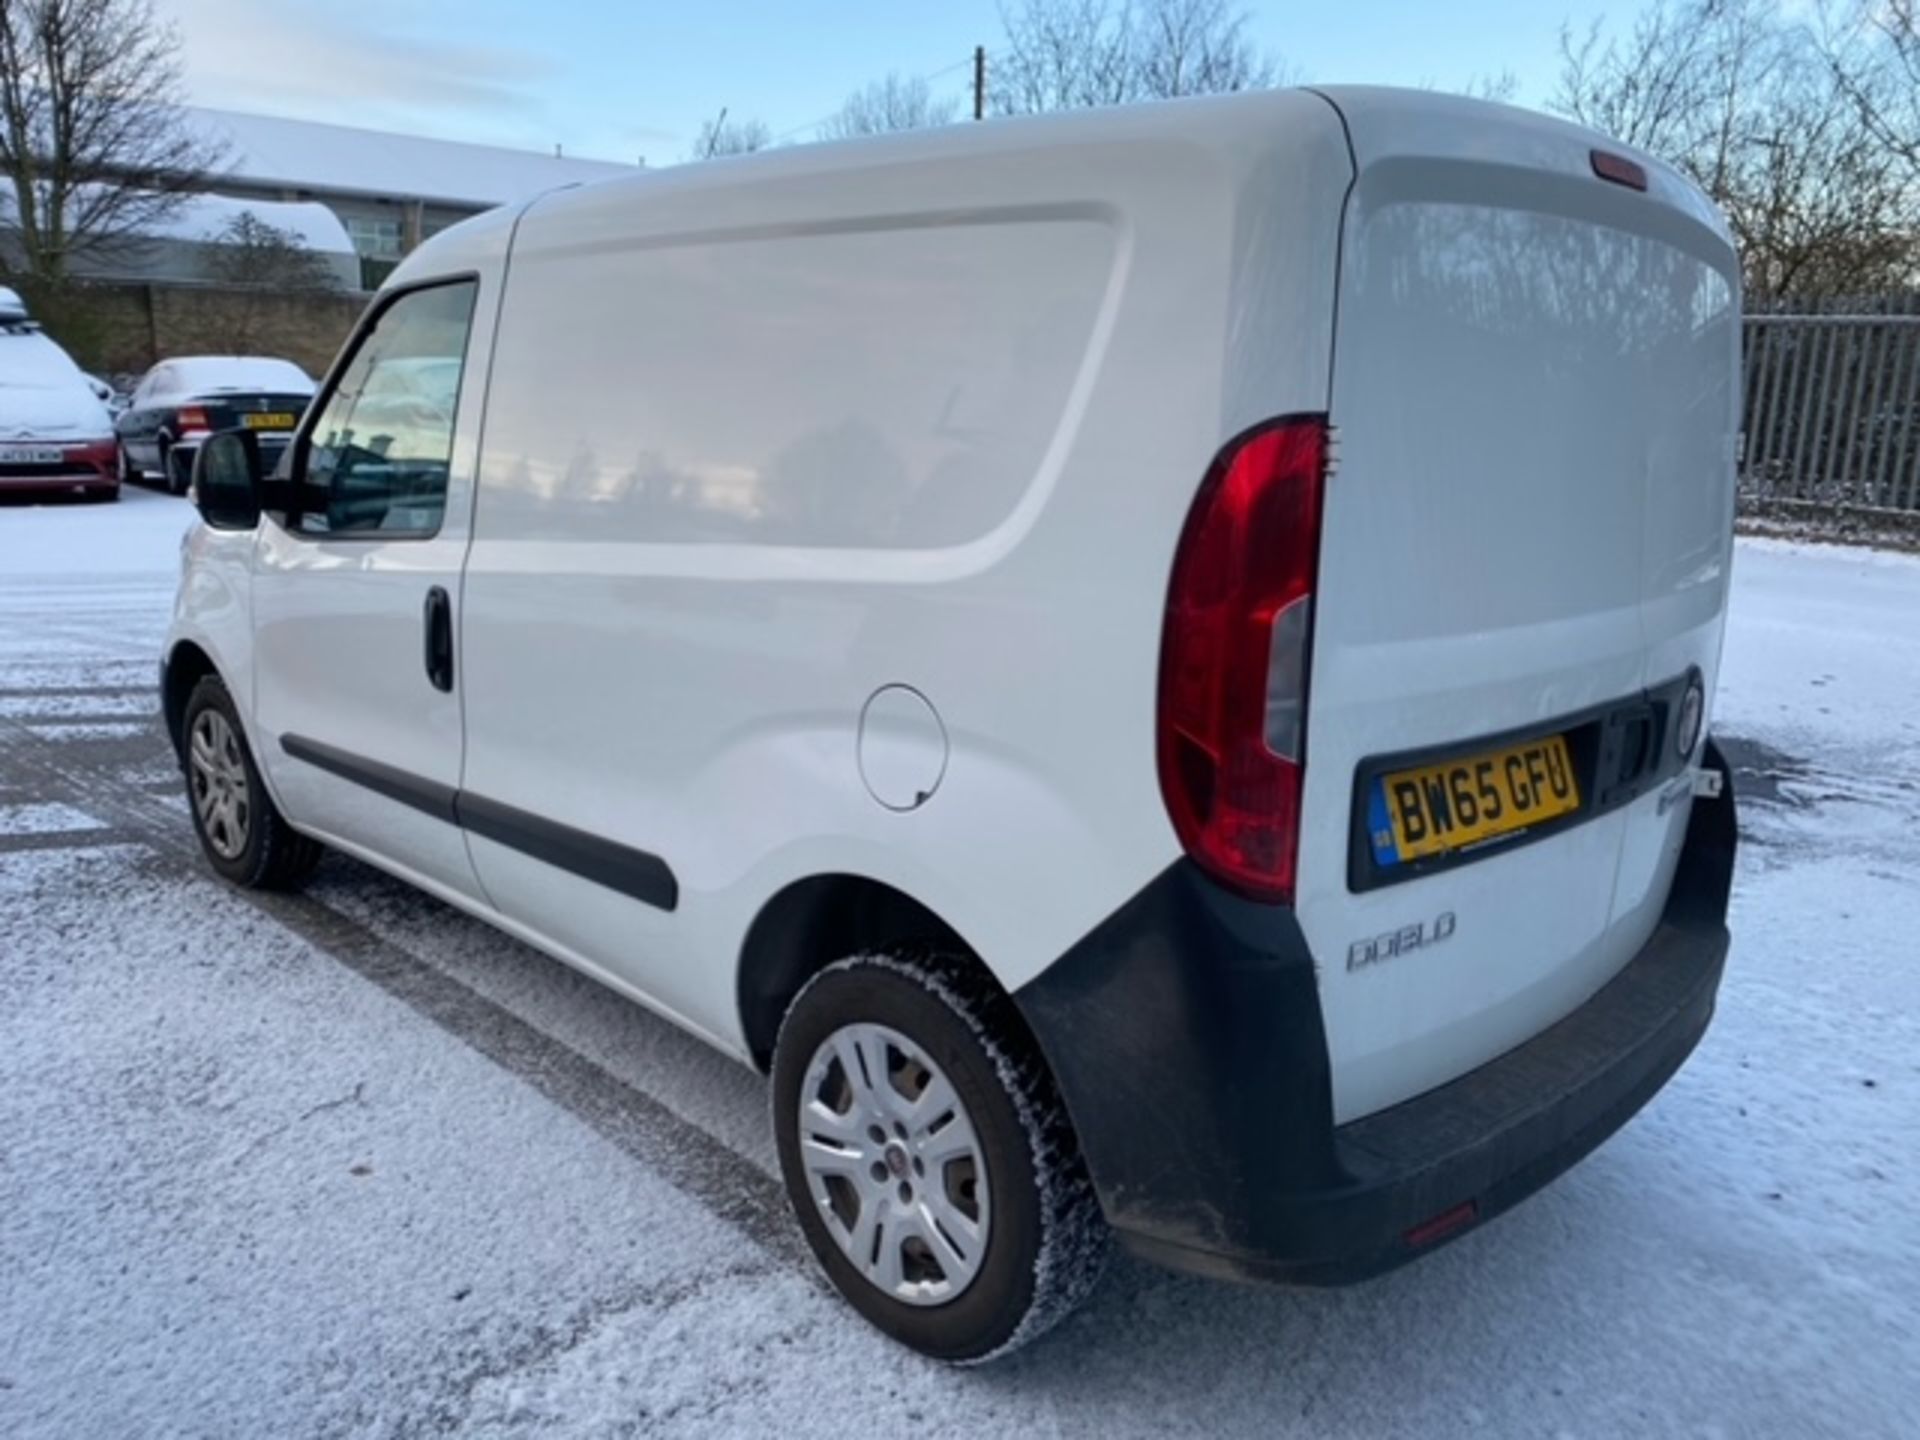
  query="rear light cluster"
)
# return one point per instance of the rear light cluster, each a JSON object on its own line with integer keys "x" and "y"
{"x": 1234, "y": 656}
{"x": 194, "y": 417}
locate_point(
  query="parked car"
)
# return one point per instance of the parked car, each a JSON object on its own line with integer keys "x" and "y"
{"x": 1150, "y": 667}
{"x": 104, "y": 392}
{"x": 54, "y": 433}
{"x": 182, "y": 401}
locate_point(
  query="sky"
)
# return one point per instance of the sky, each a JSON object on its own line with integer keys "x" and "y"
{"x": 627, "y": 79}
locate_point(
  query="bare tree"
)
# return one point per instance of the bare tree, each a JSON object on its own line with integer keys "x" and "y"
{"x": 1873, "y": 48}
{"x": 1502, "y": 88}
{"x": 1745, "y": 104}
{"x": 255, "y": 254}
{"x": 264, "y": 263}
{"x": 721, "y": 136}
{"x": 1061, "y": 54}
{"x": 886, "y": 105}
{"x": 94, "y": 149}
{"x": 1196, "y": 47}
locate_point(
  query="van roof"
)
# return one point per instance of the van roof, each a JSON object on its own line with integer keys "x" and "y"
{"x": 1213, "y": 121}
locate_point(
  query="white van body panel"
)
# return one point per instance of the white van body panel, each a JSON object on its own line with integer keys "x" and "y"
{"x": 828, "y": 425}
{"x": 1535, "y": 397}
{"x": 337, "y": 628}
{"x": 213, "y": 606}
{"x": 772, "y": 586}
{"x": 742, "y": 445}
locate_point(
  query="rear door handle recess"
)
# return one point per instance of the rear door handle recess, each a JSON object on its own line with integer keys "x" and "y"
{"x": 439, "y": 639}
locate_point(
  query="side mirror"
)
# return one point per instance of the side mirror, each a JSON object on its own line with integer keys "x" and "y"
{"x": 226, "y": 480}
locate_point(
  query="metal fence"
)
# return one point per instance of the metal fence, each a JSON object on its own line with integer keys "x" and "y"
{"x": 1833, "y": 409}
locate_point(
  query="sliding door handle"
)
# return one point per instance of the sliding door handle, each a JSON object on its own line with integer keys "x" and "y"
{"x": 439, "y": 639}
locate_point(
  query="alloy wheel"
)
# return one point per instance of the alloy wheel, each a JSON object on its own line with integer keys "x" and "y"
{"x": 894, "y": 1164}
{"x": 217, "y": 777}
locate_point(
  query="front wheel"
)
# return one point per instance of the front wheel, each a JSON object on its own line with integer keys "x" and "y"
{"x": 930, "y": 1162}
{"x": 242, "y": 833}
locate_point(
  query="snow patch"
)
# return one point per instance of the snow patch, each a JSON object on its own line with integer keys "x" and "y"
{"x": 45, "y": 819}
{"x": 102, "y": 730}
{"x": 92, "y": 705}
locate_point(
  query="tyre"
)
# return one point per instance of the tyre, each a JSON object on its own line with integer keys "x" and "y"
{"x": 179, "y": 471}
{"x": 928, "y": 1157}
{"x": 243, "y": 835}
{"x": 124, "y": 466}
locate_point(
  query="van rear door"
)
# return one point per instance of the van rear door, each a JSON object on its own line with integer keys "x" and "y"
{"x": 1527, "y": 533}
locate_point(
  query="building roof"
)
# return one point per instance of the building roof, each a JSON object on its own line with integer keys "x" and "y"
{"x": 205, "y": 218}
{"x": 268, "y": 150}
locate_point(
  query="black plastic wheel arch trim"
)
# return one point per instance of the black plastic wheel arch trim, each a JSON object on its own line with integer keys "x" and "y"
{"x": 1186, "y": 1037}
{"x": 639, "y": 874}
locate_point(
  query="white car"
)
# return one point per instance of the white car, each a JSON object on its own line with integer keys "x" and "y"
{"x": 55, "y": 435}
{"x": 1150, "y": 667}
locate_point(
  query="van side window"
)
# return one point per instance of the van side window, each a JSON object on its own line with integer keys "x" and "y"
{"x": 382, "y": 444}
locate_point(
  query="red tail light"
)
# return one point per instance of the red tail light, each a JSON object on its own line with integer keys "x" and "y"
{"x": 194, "y": 417}
{"x": 1233, "y": 658}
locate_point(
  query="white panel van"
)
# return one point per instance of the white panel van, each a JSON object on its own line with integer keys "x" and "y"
{"x": 1150, "y": 667}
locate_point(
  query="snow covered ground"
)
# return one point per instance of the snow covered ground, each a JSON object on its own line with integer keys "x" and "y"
{"x": 350, "y": 1164}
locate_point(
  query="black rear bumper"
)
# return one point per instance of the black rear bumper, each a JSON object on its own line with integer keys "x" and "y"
{"x": 1186, "y": 1036}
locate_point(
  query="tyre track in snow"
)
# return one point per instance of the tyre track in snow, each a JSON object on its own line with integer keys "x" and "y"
{"x": 721, "y": 1180}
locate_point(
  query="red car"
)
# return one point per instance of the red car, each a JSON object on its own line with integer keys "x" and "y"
{"x": 55, "y": 435}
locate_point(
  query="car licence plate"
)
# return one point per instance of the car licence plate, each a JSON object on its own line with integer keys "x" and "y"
{"x": 277, "y": 420}
{"x": 1470, "y": 801}
{"x": 31, "y": 455}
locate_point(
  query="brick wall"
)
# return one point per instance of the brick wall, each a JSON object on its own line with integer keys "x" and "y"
{"x": 114, "y": 328}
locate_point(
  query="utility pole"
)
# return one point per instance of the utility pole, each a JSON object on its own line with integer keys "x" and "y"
{"x": 979, "y": 82}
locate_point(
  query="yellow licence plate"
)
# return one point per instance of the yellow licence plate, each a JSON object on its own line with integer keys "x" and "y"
{"x": 1434, "y": 809}
{"x": 279, "y": 420}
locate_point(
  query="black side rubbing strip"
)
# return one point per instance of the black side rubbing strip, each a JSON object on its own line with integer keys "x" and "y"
{"x": 428, "y": 796}
{"x": 638, "y": 873}
{"x": 646, "y": 877}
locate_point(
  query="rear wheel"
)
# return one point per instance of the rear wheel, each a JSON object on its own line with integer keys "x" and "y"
{"x": 243, "y": 835}
{"x": 928, "y": 1158}
{"x": 179, "y": 471}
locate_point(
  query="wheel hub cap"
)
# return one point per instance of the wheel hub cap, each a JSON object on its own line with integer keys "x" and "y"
{"x": 894, "y": 1164}
{"x": 217, "y": 784}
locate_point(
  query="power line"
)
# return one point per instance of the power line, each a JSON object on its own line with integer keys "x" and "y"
{"x": 941, "y": 74}
{"x": 961, "y": 65}
{"x": 785, "y": 135}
